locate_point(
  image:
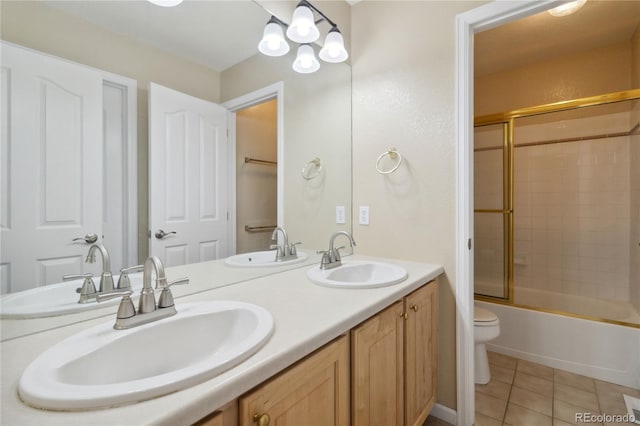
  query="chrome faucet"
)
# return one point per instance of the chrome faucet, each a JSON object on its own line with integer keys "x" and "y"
{"x": 106, "y": 279}
{"x": 331, "y": 258}
{"x": 148, "y": 311}
{"x": 88, "y": 291}
{"x": 285, "y": 251}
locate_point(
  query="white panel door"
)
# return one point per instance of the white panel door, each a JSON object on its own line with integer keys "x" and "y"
{"x": 51, "y": 169}
{"x": 187, "y": 177}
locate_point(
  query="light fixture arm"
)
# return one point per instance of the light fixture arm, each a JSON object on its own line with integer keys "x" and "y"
{"x": 325, "y": 17}
{"x": 278, "y": 21}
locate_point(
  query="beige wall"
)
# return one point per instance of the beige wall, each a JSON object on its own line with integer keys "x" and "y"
{"x": 404, "y": 96}
{"x": 590, "y": 73}
{"x": 40, "y": 27}
{"x": 256, "y": 184}
{"x": 317, "y": 123}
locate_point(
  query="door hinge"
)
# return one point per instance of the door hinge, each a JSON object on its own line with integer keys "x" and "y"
{"x": 469, "y": 243}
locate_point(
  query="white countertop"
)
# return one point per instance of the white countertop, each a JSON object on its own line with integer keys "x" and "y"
{"x": 307, "y": 316}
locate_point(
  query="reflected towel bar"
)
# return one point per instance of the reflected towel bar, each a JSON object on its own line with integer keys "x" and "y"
{"x": 267, "y": 228}
{"x": 256, "y": 161}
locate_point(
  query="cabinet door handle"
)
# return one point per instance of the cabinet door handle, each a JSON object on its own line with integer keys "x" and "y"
{"x": 404, "y": 315}
{"x": 414, "y": 308}
{"x": 261, "y": 419}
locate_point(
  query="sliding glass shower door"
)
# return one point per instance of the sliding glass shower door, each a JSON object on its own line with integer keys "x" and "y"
{"x": 493, "y": 207}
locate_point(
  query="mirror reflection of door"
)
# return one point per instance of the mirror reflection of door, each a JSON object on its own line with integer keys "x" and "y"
{"x": 51, "y": 170}
{"x": 256, "y": 176}
{"x": 188, "y": 178}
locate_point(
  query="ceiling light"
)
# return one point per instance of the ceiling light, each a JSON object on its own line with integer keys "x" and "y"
{"x": 165, "y": 3}
{"x": 567, "y": 8}
{"x": 303, "y": 26}
{"x": 273, "y": 42}
{"x": 333, "y": 49}
{"x": 306, "y": 61}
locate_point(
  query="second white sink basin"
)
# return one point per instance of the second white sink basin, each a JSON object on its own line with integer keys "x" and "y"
{"x": 262, "y": 259}
{"x": 358, "y": 274}
{"x": 103, "y": 367}
{"x": 55, "y": 299}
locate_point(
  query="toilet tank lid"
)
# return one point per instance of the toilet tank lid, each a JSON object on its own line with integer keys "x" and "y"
{"x": 483, "y": 315}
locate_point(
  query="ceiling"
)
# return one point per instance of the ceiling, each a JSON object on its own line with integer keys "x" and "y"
{"x": 543, "y": 37}
{"x": 217, "y": 34}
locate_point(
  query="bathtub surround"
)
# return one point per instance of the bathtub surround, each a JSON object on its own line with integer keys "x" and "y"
{"x": 576, "y": 203}
{"x": 577, "y": 345}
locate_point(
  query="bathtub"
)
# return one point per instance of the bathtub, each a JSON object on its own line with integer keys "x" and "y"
{"x": 596, "y": 349}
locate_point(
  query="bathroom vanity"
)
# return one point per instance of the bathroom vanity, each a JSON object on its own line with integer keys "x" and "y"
{"x": 320, "y": 365}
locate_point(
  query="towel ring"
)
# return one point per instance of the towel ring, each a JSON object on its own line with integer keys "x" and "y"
{"x": 393, "y": 154}
{"x": 306, "y": 170}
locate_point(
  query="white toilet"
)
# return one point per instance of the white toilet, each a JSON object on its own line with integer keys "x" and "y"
{"x": 486, "y": 327}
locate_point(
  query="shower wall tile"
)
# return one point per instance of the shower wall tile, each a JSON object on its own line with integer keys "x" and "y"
{"x": 573, "y": 208}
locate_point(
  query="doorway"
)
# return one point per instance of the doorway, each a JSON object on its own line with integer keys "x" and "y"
{"x": 256, "y": 175}
{"x": 267, "y": 97}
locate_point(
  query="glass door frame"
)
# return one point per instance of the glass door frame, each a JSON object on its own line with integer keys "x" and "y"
{"x": 507, "y": 120}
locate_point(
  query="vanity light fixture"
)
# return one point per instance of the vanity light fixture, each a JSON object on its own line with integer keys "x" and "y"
{"x": 306, "y": 61}
{"x": 273, "y": 42}
{"x": 567, "y": 8}
{"x": 303, "y": 30}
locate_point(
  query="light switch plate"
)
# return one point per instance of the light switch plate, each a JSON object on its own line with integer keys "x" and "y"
{"x": 364, "y": 215}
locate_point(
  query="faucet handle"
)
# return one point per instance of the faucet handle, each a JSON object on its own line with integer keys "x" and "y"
{"x": 123, "y": 282}
{"x": 126, "y": 308}
{"x": 166, "y": 298}
{"x": 88, "y": 286}
{"x": 292, "y": 248}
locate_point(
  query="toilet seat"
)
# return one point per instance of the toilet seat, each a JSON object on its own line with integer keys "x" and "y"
{"x": 484, "y": 318}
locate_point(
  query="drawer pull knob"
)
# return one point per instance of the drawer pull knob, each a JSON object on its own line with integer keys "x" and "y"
{"x": 261, "y": 419}
{"x": 414, "y": 308}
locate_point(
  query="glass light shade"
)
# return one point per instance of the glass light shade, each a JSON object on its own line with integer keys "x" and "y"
{"x": 303, "y": 27}
{"x": 166, "y": 3}
{"x": 273, "y": 42}
{"x": 567, "y": 8}
{"x": 333, "y": 49}
{"x": 306, "y": 61}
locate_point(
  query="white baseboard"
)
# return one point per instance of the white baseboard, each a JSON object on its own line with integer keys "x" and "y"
{"x": 444, "y": 413}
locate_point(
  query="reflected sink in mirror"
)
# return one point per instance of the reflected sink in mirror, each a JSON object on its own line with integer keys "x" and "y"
{"x": 358, "y": 274}
{"x": 103, "y": 367}
{"x": 55, "y": 299}
{"x": 261, "y": 259}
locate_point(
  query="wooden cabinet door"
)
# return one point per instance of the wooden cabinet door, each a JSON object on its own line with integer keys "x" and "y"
{"x": 314, "y": 392}
{"x": 421, "y": 353}
{"x": 377, "y": 369}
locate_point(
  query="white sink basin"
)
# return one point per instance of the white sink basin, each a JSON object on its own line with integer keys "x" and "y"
{"x": 358, "y": 274}
{"x": 103, "y": 367}
{"x": 55, "y": 299}
{"x": 262, "y": 259}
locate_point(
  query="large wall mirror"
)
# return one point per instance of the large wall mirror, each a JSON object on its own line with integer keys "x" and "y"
{"x": 206, "y": 50}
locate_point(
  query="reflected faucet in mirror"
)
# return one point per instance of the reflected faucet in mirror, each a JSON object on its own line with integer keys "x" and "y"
{"x": 106, "y": 279}
{"x": 284, "y": 251}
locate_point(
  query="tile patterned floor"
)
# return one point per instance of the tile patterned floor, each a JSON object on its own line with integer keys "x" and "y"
{"x": 522, "y": 393}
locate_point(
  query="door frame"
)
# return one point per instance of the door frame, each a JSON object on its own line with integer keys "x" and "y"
{"x": 475, "y": 20}
{"x": 130, "y": 160}
{"x": 273, "y": 91}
